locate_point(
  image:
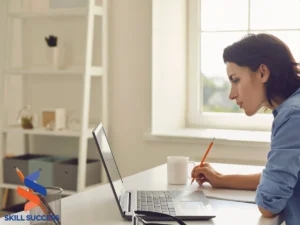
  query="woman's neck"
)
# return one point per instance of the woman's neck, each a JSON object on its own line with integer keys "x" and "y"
{"x": 275, "y": 103}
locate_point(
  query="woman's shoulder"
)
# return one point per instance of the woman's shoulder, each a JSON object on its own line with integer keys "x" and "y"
{"x": 288, "y": 111}
{"x": 289, "y": 114}
{"x": 289, "y": 108}
{"x": 294, "y": 101}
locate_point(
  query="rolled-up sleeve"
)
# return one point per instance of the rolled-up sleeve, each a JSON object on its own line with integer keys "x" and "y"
{"x": 282, "y": 169}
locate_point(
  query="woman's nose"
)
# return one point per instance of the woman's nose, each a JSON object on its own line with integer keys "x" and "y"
{"x": 232, "y": 94}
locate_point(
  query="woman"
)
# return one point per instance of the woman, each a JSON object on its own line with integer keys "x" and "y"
{"x": 263, "y": 73}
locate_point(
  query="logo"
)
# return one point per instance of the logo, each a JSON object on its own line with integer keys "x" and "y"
{"x": 34, "y": 201}
{"x": 29, "y": 182}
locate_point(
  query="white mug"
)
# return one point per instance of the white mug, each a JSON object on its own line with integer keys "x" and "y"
{"x": 177, "y": 167}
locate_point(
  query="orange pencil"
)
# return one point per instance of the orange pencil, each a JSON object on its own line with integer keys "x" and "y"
{"x": 205, "y": 155}
{"x": 22, "y": 179}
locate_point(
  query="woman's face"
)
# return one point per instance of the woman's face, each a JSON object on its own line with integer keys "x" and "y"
{"x": 247, "y": 88}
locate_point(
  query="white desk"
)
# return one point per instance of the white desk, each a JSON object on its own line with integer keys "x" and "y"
{"x": 97, "y": 206}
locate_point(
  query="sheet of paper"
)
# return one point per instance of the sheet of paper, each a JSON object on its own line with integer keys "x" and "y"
{"x": 228, "y": 194}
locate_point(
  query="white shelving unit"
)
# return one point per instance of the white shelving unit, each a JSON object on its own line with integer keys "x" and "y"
{"x": 87, "y": 72}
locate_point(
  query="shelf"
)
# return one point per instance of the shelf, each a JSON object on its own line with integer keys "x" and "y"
{"x": 42, "y": 131}
{"x": 96, "y": 71}
{"x": 14, "y": 186}
{"x": 96, "y": 10}
{"x": 83, "y": 71}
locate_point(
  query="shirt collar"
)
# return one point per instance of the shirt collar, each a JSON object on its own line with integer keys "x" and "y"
{"x": 277, "y": 109}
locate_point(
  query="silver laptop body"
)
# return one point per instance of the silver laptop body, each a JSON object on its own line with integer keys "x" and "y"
{"x": 182, "y": 204}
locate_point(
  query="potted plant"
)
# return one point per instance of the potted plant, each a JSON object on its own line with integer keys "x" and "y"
{"x": 26, "y": 122}
{"x": 26, "y": 118}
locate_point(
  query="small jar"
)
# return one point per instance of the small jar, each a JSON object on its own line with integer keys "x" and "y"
{"x": 26, "y": 117}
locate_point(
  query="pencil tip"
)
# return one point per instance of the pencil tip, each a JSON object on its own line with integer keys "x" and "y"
{"x": 213, "y": 139}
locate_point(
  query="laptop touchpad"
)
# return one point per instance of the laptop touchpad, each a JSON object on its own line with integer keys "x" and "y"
{"x": 195, "y": 196}
{"x": 191, "y": 202}
{"x": 191, "y": 205}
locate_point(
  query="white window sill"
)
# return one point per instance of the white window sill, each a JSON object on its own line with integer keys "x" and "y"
{"x": 222, "y": 137}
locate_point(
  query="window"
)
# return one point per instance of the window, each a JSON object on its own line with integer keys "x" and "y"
{"x": 215, "y": 24}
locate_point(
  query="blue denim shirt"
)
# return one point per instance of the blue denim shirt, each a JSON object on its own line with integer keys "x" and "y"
{"x": 279, "y": 187}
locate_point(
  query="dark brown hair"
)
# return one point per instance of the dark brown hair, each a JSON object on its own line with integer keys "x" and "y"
{"x": 256, "y": 49}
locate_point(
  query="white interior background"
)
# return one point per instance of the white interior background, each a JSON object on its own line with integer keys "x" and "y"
{"x": 131, "y": 24}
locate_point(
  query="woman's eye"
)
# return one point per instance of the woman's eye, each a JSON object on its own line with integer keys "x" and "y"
{"x": 236, "y": 80}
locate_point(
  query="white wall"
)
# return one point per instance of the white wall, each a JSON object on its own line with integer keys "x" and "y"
{"x": 130, "y": 74}
{"x": 169, "y": 64}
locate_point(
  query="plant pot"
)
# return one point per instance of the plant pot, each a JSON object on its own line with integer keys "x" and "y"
{"x": 53, "y": 57}
{"x": 26, "y": 123}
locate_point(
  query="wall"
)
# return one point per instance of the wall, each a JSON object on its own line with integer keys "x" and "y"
{"x": 130, "y": 97}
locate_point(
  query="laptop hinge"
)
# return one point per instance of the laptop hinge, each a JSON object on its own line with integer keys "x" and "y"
{"x": 125, "y": 201}
{"x": 129, "y": 201}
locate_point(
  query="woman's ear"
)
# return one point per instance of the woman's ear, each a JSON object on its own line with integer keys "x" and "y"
{"x": 264, "y": 73}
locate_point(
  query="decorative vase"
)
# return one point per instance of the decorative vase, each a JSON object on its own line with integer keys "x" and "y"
{"x": 53, "y": 57}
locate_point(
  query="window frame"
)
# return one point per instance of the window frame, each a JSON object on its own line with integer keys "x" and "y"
{"x": 196, "y": 118}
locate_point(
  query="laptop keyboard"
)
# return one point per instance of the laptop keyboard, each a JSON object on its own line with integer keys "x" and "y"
{"x": 156, "y": 201}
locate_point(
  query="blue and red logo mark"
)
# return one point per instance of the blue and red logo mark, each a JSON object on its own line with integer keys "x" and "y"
{"x": 29, "y": 182}
{"x": 34, "y": 201}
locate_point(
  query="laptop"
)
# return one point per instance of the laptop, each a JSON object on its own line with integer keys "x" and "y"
{"x": 186, "y": 205}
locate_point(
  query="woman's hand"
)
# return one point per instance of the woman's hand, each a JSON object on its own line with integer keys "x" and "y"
{"x": 206, "y": 173}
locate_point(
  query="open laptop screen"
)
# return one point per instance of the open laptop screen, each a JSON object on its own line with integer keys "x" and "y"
{"x": 108, "y": 160}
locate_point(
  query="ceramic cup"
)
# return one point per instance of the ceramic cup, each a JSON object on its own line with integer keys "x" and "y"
{"x": 177, "y": 167}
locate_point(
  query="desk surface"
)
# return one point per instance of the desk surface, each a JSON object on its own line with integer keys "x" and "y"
{"x": 97, "y": 206}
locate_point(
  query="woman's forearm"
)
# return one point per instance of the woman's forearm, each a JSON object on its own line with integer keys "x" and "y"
{"x": 243, "y": 182}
